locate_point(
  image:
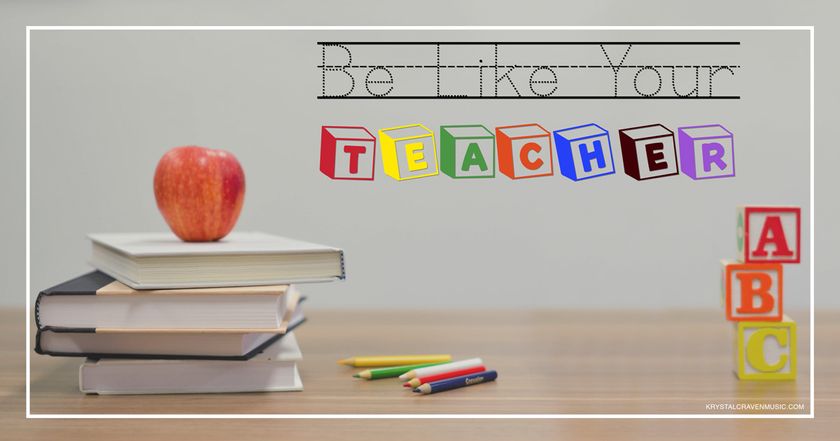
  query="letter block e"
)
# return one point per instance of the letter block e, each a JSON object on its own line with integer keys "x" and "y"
{"x": 753, "y": 291}
{"x": 766, "y": 350}
{"x": 769, "y": 234}
{"x": 347, "y": 153}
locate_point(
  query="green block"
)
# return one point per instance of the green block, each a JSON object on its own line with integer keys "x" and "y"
{"x": 467, "y": 151}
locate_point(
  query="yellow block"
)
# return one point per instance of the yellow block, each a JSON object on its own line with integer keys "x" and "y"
{"x": 408, "y": 152}
{"x": 766, "y": 350}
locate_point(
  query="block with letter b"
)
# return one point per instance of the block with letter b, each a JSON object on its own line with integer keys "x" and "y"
{"x": 524, "y": 151}
{"x": 347, "y": 152}
{"x": 753, "y": 291}
{"x": 584, "y": 152}
{"x": 648, "y": 152}
{"x": 707, "y": 152}
{"x": 766, "y": 350}
{"x": 408, "y": 152}
{"x": 467, "y": 151}
{"x": 769, "y": 234}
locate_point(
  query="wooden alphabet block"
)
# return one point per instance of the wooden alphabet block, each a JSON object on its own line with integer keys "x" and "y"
{"x": 524, "y": 151}
{"x": 769, "y": 234}
{"x": 467, "y": 151}
{"x": 753, "y": 291}
{"x": 347, "y": 153}
{"x": 648, "y": 152}
{"x": 408, "y": 152}
{"x": 707, "y": 152}
{"x": 766, "y": 350}
{"x": 584, "y": 152}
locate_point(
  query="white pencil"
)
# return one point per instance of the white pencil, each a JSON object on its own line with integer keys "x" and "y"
{"x": 441, "y": 368}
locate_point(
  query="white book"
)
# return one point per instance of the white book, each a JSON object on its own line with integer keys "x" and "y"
{"x": 273, "y": 370}
{"x": 162, "y": 261}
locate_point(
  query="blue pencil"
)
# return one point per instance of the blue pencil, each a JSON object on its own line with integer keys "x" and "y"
{"x": 454, "y": 383}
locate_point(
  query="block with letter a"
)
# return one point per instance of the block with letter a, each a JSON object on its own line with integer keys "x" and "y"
{"x": 753, "y": 291}
{"x": 769, "y": 234}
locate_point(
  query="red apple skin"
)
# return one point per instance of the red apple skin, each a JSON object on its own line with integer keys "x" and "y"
{"x": 199, "y": 192}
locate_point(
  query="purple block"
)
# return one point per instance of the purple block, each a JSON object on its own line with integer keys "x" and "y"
{"x": 707, "y": 152}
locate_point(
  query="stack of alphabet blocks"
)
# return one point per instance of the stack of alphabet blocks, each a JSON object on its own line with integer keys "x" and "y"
{"x": 752, "y": 288}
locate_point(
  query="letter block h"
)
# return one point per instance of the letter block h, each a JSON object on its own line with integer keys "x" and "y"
{"x": 584, "y": 152}
{"x": 753, "y": 291}
{"x": 347, "y": 153}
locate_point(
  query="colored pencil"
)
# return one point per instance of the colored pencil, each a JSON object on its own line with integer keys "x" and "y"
{"x": 394, "y": 360}
{"x": 391, "y": 372}
{"x": 431, "y": 370}
{"x": 455, "y": 383}
{"x": 414, "y": 382}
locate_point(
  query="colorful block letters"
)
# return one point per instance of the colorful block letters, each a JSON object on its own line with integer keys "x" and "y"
{"x": 769, "y": 234}
{"x": 648, "y": 151}
{"x": 707, "y": 151}
{"x": 753, "y": 291}
{"x": 766, "y": 350}
{"x": 765, "y": 338}
{"x": 524, "y": 151}
{"x": 347, "y": 153}
{"x": 408, "y": 152}
{"x": 584, "y": 152}
{"x": 467, "y": 151}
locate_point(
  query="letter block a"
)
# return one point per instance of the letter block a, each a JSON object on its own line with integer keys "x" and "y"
{"x": 467, "y": 151}
{"x": 648, "y": 152}
{"x": 524, "y": 151}
{"x": 769, "y": 234}
{"x": 347, "y": 152}
{"x": 766, "y": 350}
{"x": 753, "y": 291}
{"x": 408, "y": 152}
{"x": 706, "y": 152}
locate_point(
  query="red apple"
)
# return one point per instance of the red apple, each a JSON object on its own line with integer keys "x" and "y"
{"x": 199, "y": 192}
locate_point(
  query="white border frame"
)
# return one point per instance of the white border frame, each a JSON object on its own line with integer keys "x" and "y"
{"x": 29, "y": 29}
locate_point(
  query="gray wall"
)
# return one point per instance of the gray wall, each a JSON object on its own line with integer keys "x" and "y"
{"x": 106, "y": 105}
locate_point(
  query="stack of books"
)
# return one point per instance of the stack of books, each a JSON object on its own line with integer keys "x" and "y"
{"x": 164, "y": 316}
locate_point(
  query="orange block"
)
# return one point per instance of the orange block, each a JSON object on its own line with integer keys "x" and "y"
{"x": 524, "y": 151}
{"x": 753, "y": 291}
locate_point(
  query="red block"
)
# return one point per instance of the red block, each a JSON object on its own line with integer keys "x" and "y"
{"x": 769, "y": 234}
{"x": 524, "y": 151}
{"x": 347, "y": 152}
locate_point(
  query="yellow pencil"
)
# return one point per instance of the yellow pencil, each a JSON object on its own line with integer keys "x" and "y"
{"x": 394, "y": 360}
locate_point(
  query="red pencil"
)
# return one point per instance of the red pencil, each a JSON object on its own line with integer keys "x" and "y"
{"x": 443, "y": 375}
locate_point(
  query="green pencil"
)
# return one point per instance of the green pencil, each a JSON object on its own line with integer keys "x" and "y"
{"x": 391, "y": 372}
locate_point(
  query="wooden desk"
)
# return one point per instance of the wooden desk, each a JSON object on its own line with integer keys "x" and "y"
{"x": 548, "y": 362}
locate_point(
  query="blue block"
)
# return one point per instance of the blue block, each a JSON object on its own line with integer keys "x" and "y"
{"x": 584, "y": 152}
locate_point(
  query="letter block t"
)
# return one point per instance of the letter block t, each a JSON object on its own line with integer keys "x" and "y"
{"x": 408, "y": 152}
{"x": 584, "y": 152}
{"x": 524, "y": 151}
{"x": 707, "y": 152}
{"x": 347, "y": 153}
{"x": 766, "y": 350}
{"x": 769, "y": 234}
{"x": 467, "y": 151}
{"x": 753, "y": 291}
{"x": 649, "y": 152}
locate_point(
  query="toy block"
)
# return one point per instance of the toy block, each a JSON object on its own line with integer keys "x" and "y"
{"x": 347, "y": 153}
{"x": 766, "y": 350}
{"x": 706, "y": 152}
{"x": 408, "y": 152}
{"x": 467, "y": 151}
{"x": 769, "y": 234}
{"x": 753, "y": 291}
{"x": 649, "y": 152}
{"x": 584, "y": 152}
{"x": 524, "y": 151}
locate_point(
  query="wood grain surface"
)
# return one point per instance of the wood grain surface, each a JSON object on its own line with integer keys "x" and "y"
{"x": 549, "y": 361}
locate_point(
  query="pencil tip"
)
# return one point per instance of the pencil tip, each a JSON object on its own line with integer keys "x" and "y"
{"x": 355, "y": 375}
{"x": 406, "y": 385}
{"x": 344, "y": 361}
{"x": 417, "y": 391}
